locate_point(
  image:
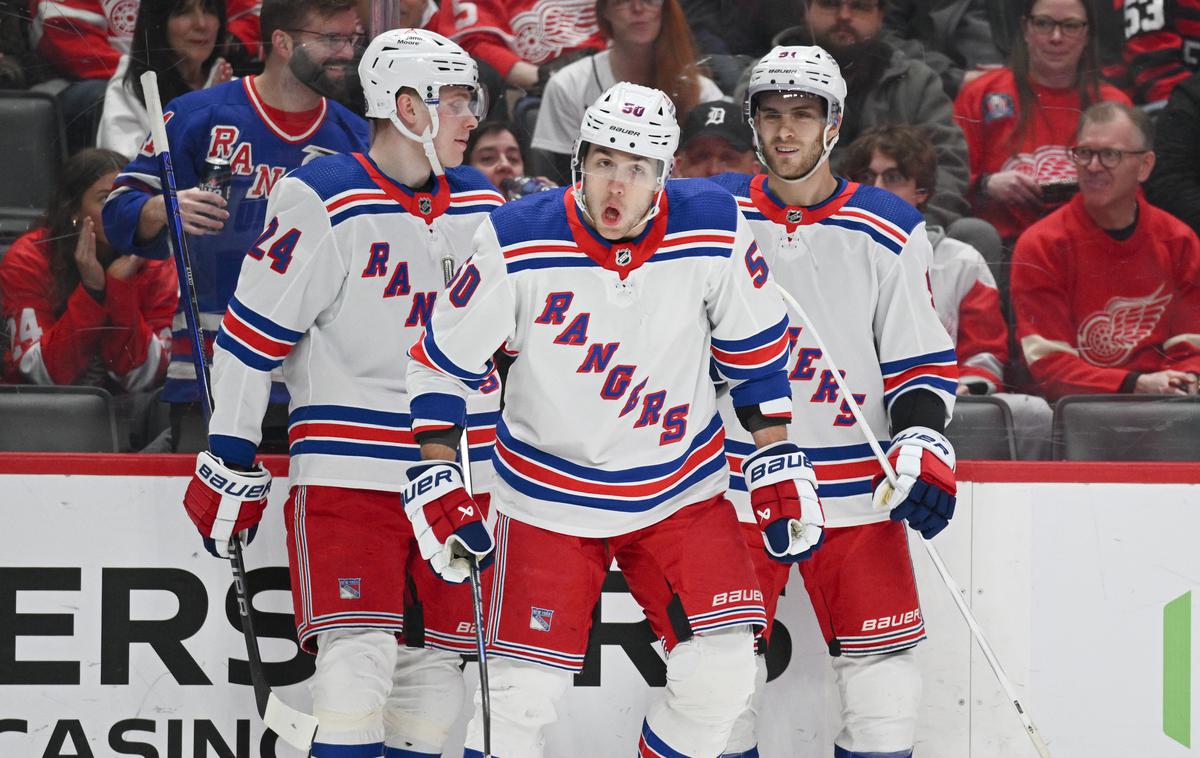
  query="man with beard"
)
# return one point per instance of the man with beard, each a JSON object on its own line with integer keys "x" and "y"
{"x": 229, "y": 145}
{"x": 856, "y": 257}
{"x": 884, "y": 86}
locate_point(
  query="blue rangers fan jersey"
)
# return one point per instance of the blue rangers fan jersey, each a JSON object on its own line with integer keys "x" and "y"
{"x": 338, "y": 284}
{"x": 228, "y": 122}
{"x": 610, "y": 422}
{"x": 858, "y": 263}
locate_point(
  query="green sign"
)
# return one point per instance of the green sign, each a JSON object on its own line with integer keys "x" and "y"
{"x": 1177, "y": 669}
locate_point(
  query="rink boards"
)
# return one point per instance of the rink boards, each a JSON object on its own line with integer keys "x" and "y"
{"x": 117, "y": 635}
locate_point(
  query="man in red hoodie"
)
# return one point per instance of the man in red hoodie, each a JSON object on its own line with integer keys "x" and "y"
{"x": 1107, "y": 288}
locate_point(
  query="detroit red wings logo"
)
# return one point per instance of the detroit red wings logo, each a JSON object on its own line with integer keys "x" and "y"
{"x": 551, "y": 26}
{"x": 122, "y": 17}
{"x": 1107, "y": 337}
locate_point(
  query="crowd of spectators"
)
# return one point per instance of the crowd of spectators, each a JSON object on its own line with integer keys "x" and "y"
{"x": 1022, "y": 129}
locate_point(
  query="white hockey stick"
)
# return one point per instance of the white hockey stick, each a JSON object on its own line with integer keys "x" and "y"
{"x": 1034, "y": 735}
{"x": 294, "y": 727}
{"x": 485, "y": 696}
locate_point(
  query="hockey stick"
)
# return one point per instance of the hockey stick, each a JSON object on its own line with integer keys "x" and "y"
{"x": 1034, "y": 735}
{"x": 485, "y": 696}
{"x": 293, "y": 726}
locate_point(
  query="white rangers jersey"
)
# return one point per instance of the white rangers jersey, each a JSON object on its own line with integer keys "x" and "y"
{"x": 337, "y": 286}
{"x": 858, "y": 264}
{"x": 609, "y": 422}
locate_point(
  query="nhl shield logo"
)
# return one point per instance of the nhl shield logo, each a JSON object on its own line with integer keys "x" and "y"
{"x": 425, "y": 204}
{"x": 540, "y": 619}
{"x": 350, "y": 589}
{"x": 624, "y": 256}
{"x": 794, "y": 215}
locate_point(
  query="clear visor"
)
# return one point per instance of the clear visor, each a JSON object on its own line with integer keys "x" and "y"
{"x": 459, "y": 100}
{"x": 626, "y": 170}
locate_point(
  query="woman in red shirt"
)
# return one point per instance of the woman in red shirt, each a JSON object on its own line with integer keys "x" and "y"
{"x": 77, "y": 311}
{"x": 1019, "y": 120}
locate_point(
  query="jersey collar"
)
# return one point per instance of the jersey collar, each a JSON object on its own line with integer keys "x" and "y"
{"x": 424, "y": 205}
{"x": 279, "y": 122}
{"x": 792, "y": 216}
{"x": 623, "y": 256}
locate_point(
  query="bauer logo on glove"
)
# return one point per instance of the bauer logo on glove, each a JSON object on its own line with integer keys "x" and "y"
{"x": 447, "y": 523}
{"x": 925, "y": 491}
{"x": 783, "y": 495}
{"x": 775, "y": 465}
{"x": 222, "y": 502}
{"x": 238, "y": 487}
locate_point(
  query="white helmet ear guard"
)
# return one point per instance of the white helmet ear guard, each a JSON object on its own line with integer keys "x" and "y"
{"x": 806, "y": 69}
{"x": 632, "y": 119}
{"x": 423, "y": 61}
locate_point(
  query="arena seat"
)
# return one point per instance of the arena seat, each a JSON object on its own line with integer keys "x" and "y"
{"x": 34, "y": 146}
{"x": 982, "y": 430}
{"x": 1127, "y": 428}
{"x": 56, "y": 420}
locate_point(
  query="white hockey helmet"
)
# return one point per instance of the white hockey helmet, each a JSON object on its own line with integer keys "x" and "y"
{"x": 633, "y": 119}
{"x": 799, "y": 68}
{"x": 425, "y": 62}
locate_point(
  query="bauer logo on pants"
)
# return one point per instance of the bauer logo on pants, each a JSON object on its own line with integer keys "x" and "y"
{"x": 350, "y": 589}
{"x": 540, "y": 619}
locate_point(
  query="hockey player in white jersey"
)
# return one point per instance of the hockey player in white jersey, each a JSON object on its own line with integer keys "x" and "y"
{"x": 857, "y": 258}
{"x": 613, "y": 295}
{"x": 335, "y": 289}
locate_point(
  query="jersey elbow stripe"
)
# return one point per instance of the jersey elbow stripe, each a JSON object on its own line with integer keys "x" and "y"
{"x": 943, "y": 370}
{"x": 246, "y": 355}
{"x": 751, "y": 357}
{"x": 937, "y": 383}
{"x": 942, "y": 357}
{"x": 767, "y": 336}
{"x": 262, "y": 324}
{"x": 426, "y": 351}
{"x": 235, "y": 330}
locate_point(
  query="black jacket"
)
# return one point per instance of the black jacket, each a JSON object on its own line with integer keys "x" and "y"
{"x": 1175, "y": 184}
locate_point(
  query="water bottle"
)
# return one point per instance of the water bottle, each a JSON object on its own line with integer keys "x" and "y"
{"x": 516, "y": 187}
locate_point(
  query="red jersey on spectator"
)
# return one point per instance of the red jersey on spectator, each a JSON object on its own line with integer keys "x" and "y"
{"x": 502, "y": 32}
{"x": 1091, "y": 309}
{"x": 244, "y": 23}
{"x": 986, "y": 110}
{"x": 83, "y": 38}
{"x": 1162, "y": 47}
{"x": 968, "y": 305}
{"x": 127, "y": 338}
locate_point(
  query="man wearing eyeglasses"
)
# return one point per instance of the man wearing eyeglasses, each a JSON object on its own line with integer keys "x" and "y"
{"x": 1105, "y": 288}
{"x": 240, "y": 138}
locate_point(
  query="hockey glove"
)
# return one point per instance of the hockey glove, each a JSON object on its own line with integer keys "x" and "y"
{"x": 925, "y": 488}
{"x": 221, "y": 501}
{"x": 449, "y": 525}
{"x": 783, "y": 494}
